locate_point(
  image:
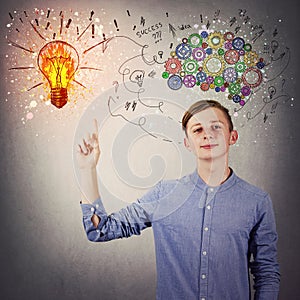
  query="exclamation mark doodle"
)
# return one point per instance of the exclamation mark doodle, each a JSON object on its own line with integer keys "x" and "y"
{"x": 167, "y": 14}
{"x": 116, "y": 24}
{"x": 201, "y": 19}
{"x": 69, "y": 22}
{"x": 91, "y": 16}
{"x": 93, "y": 31}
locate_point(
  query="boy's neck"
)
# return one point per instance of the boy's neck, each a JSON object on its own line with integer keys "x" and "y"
{"x": 213, "y": 173}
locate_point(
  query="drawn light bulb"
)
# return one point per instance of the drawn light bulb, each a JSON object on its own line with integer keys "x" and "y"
{"x": 137, "y": 77}
{"x": 58, "y": 61}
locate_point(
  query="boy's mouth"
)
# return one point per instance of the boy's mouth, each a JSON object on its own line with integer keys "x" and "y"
{"x": 209, "y": 146}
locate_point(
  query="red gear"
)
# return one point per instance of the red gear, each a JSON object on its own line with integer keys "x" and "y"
{"x": 173, "y": 65}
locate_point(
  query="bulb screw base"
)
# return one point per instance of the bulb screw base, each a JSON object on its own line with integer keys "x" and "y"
{"x": 59, "y": 97}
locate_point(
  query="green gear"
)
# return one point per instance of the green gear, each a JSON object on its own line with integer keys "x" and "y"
{"x": 191, "y": 38}
{"x": 234, "y": 88}
{"x": 247, "y": 47}
{"x": 221, "y": 51}
{"x": 240, "y": 67}
{"x": 219, "y": 81}
{"x": 165, "y": 75}
{"x": 190, "y": 66}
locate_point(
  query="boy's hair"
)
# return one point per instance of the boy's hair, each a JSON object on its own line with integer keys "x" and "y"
{"x": 202, "y": 105}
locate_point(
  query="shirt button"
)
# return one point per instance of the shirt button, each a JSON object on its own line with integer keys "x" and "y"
{"x": 211, "y": 189}
{"x": 204, "y": 253}
{"x": 203, "y": 276}
{"x": 206, "y": 228}
{"x": 203, "y": 299}
{"x": 92, "y": 209}
{"x": 97, "y": 205}
{"x": 208, "y": 207}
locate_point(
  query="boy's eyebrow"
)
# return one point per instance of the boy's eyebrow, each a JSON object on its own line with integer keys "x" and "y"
{"x": 214, "y": 121}
{"x": 217, "y": 121}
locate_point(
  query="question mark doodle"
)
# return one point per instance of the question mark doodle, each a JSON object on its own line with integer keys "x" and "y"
{"x": 116, "y": 84}
{"x": 160, "y": 53}
{"x": 272, "y": 91}
{"x": 274, "y": 46}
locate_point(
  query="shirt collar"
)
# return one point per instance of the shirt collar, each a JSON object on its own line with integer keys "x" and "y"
{"x": 199, "y": 183}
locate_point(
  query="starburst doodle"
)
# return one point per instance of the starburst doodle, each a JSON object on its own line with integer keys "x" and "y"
{"x": 51, "y": 51}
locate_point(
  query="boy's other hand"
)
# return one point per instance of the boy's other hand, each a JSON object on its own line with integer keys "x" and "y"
{"x": 89, "y": 151}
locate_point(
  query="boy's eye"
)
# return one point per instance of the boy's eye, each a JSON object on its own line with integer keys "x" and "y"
{"x": 216, "y": 126}
{"x": 197, "y": 130}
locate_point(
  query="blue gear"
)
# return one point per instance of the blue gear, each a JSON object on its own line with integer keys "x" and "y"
{"x": 175, "y": 82}
{"x": 201, "y": 76}
{"x": 238, "y": 43}
{"x": 183, "y": 51}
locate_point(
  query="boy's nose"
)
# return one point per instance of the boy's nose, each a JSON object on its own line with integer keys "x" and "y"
{"x": 207, "y": 134}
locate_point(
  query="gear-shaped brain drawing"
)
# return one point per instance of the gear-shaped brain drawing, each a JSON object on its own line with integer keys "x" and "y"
{"x": 215, "y": 61}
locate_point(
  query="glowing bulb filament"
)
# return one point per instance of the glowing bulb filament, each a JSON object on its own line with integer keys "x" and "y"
{"x": 58, "y": 61}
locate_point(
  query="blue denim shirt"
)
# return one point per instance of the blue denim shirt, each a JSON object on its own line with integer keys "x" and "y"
{"x": 206, "y": 238}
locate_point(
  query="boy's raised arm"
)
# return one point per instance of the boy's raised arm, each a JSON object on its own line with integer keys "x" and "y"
{"x": 88, "y": 154}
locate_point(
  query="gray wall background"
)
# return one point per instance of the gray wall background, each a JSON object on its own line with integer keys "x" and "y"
{"x": 44, "y": 251}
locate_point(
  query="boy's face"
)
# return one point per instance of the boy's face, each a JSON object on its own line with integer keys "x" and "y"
{"x": 208, "y": 135}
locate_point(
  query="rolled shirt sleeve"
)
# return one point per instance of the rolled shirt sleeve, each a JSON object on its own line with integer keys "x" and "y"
{"x": 128, "y": 221}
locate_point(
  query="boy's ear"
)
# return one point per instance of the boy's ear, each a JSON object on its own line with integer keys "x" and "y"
{"x": 233, "y": 137}
{"x": 186, "y": 143}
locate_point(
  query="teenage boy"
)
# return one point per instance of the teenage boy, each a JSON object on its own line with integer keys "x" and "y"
{"x": 210, "y": 227}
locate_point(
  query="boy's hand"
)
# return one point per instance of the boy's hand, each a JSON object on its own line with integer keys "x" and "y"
{"x": 89, "y": 152}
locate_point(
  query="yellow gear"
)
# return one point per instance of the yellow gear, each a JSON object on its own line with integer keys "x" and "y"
{"x": 211, "y": 71}
{"x": 251, "y": 58}
{"x": 215, "y": 40}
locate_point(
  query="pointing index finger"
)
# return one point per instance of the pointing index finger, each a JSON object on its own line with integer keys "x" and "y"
{"x": 96, "y": 127}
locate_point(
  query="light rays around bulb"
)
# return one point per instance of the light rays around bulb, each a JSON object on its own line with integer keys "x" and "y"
{"x": 34, "y": 35}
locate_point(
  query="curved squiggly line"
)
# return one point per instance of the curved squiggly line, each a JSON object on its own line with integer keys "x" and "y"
{"x": 266, "y": 102}
{"x": 285, "y": 67}
{"x": 141, "y": 121}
